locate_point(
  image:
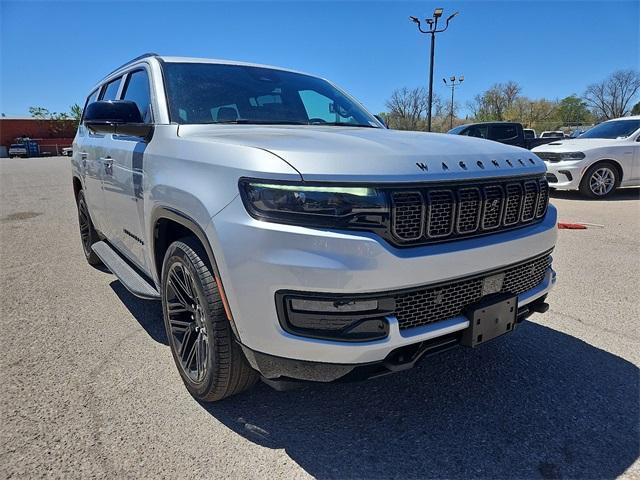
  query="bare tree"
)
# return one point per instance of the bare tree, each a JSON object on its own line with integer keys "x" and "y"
{"x": 494, "y": 103}
{"x": 510, "y": 91}
{"x": 612, "y": 97}
{"x": 407, "y": 108}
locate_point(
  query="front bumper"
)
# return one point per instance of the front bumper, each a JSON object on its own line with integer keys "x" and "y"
{"x": 565, "y": 175}
{"x": 257, "y": 259}
{"x": 284, "y": 373}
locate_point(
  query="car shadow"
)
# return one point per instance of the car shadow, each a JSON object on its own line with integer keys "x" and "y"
{"x": 148, "y": 313}
{"x": 538, "y": 404}
{"x": 534, "y": 404}
{"x": 628, "y": 193}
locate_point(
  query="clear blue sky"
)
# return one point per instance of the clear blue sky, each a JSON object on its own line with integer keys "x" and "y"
{"x": 52, "y": 52}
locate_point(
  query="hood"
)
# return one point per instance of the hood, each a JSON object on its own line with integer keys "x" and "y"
{"x": 576, "y": 145}
{"x": 361, "y": 154}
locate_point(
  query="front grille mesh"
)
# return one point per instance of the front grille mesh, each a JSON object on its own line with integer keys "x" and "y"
{"x": 409, "y": 214}
{"x": 433, "y": 214}
{"x": 432, "y": 304}
{"x": 441, "y": 210}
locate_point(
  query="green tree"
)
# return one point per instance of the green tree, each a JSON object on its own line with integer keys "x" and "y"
{"x": 573, "y": 110}
{"x": 636, "y": 109}
{"x": 63, "y": 124}
{"x": 76, "y": 112}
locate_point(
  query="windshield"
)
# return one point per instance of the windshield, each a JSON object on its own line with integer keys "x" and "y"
{"x": 612, "y": 129}
{"x": 217, "y": 93}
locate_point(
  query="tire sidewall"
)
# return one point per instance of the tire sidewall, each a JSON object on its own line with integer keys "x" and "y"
{"x": 82, "y": 200}
{"x": 174, "y": 254}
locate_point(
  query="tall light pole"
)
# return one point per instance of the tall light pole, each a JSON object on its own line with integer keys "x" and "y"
{"x": 433, "y": 29}
{"x": 452, "y": 83}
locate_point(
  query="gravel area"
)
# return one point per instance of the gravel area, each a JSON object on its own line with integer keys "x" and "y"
{"x": 89, "y": 388}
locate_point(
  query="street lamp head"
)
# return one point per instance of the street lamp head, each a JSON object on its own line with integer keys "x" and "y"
{"x": 461, "y": 79}
{"x": 452, "y": 78}
{"x": 437, "y": 13}
{"x": 444, "y": 80}
{"x": 451, "y": 16}
{"x": 414, "y": 20}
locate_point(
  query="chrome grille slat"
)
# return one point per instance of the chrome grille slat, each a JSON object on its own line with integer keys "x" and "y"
{"x": 432, "y": 304}
{"x": 462, "y": 210}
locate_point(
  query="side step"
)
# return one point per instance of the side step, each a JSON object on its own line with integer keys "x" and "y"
{"x": 125, "y": 273}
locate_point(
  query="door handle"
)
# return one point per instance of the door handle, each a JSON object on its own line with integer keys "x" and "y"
{"x": 108, "y": 165}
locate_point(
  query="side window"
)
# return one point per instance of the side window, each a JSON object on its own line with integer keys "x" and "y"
{"x": 93, "y": 96}
{"x": 111, "y": 90}
{"x": 504, "y": 132}
{"x": 137, "y": 90}
{"x": 479, "y": 131}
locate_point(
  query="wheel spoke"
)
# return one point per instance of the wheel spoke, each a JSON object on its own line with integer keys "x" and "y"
{"x": 177, "y": 307}
{"x": 191, "y": 354}
{"x": 185, "y": 341}
{"x": 179, "y": 325}
{"x": 181, "y": 294}
{"x": 185, "y": 322}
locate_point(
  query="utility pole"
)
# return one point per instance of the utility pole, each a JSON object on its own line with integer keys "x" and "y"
{"x": 452, "y": 83}
{"x": 432, "y": 30}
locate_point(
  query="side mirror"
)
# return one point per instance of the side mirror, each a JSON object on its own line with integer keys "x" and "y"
{"x": 381, "y": 120}
{"x": 120, "y": 117}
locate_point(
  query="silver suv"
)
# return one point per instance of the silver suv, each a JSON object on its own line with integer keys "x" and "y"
{"x": 292, "y": 237}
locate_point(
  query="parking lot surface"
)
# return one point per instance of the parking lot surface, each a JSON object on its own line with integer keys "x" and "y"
{"x": 89, "y": 387}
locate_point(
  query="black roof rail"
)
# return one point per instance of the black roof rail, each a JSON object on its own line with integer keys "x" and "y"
{"x": 140, "y": 57}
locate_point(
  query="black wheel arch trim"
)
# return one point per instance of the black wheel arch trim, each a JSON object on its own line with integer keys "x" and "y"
{"x": 615, "y": 163}
{"x": 168, "y": 213}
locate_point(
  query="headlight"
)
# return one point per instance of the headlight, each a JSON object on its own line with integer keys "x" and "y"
{"x": 315, "y": 205}
{"x": 572, "y": 156}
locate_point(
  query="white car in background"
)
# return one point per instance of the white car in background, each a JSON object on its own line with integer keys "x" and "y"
{"x": 552, "y": 134}
{"x": 602, "y": 159}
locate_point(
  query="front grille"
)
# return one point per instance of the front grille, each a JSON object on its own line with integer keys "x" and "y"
{"x": 433, "y": 214}
{"x": 432, "y": 304}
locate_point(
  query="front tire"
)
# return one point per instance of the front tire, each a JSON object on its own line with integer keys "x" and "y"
{"x": 210, "y": 362}
{"x": 600, "y": 180}
{"x": 88, "y": 234}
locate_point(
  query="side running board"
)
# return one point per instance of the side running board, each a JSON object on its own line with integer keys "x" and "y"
{"x": 131, "y": 279}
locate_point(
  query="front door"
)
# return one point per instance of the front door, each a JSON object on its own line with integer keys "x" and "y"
{"x": 123, "y": 177}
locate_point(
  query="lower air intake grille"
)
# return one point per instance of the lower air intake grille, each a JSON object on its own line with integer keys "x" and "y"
{"x": 423, "y": 306}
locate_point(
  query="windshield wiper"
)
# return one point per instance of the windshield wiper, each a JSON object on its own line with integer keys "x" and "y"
{"x": 340, "y": 124}
{"x": 246, "y": 121}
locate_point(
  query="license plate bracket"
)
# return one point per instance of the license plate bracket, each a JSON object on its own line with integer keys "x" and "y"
{"x": 490, "y": 318}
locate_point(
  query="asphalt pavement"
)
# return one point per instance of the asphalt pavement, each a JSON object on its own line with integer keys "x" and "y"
{"x": 89, "y": 388}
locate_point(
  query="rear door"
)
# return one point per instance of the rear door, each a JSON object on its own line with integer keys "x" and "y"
{"x": 123, "y": 179}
